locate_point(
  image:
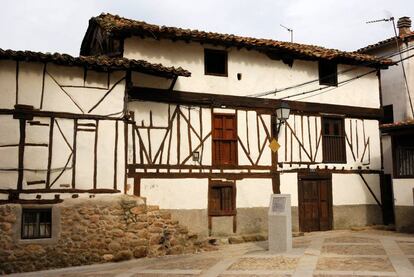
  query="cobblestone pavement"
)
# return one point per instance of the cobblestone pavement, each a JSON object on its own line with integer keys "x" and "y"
{"x": 319, "y": 254}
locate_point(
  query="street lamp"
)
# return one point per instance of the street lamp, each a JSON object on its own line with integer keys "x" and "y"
{"x": 282, "y": 114}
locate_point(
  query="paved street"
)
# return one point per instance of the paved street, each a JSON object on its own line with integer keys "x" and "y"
{"x": 319, "y": 254}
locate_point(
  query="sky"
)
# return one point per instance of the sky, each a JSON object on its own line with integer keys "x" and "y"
{"x": 59, "y": 26}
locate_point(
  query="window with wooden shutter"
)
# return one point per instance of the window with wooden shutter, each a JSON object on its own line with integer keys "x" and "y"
{"x": 224, "y": 139}
{"x": 215, "y": 62}
{"x": 221, "y": 198}
{"x": 328, "y": 73}
{"x": 333, "y": 140}
{"x": 403, "y": 150}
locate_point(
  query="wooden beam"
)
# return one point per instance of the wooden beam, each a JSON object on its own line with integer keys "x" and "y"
{"x": 22, "y": 126}
{"x": 69, "y": 190}
{"x": 49, "y": 157}
{"x": 75, "y": 130}
{"x": 370, "y": 190}
{"x": 263, "y": 105}
{"x": 36, "y": 113}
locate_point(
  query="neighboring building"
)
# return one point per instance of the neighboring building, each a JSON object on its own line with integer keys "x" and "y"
{"x": 199, "y": 147}
{"x": 397, "y": 125}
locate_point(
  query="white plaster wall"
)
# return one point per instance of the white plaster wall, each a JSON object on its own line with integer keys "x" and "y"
{"x": 387, "y": 154}
{"x": 176, "y": 193}
{"x": 349, "y": 189}
{"x": 259, "y": 73}
{"x": 58, "y": 99}
{"x": 403, "y": 192}
{"x": 150, "y": 81}
{"x": 7, "y": 84}
{"x": 8, "y": 155}
{"x": 392, "y": 82}
{"x": 253, "y": 193}
{"x": 289, "y": 185}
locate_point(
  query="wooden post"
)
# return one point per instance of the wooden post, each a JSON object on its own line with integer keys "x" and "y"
{"x": 22, "y": 126}
{"x": 49, "y": 158}
{"x": 75, "y": 131}
{"x": 275, "y": 174}
{"x": 137, "y": 186}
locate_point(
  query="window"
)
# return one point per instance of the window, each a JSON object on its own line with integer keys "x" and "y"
{"x": 404, "y": 156}
{"x": 215, "y": 62}
{"x": 388, "y": 114}
{"x": 224, "y": 139}
{"x": 333, "y": 140}
{"x": 36, "y": 223}
{"x": 328, "y": 74}
{"x": 222, "y": 198}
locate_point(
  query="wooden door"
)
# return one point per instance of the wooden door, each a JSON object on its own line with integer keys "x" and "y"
{"x": 315, "y": 203}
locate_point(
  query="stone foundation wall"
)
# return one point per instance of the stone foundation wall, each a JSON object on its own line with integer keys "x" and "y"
{"x": 404, "y": 218}
{"x": 254, "y": 220}
{"x": 86, "y": 231}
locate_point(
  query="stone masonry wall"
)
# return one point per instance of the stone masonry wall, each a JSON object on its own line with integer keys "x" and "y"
{"x": 93, "y": 231}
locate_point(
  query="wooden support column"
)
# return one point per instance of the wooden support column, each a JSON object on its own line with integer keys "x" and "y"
{"x": 275, "y": 174}
{"x": 95, "y": 155}
{"x": 125, "y": 155}
{"x": 75, "y": 131}
{"x": 137, "y": 186}
{"x": 49, "y": 158}
{"x": 116, "y": 155}
{"x": 22, "y": 127}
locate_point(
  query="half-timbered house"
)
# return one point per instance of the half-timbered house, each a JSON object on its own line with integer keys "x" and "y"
{"x": 199, "y": 146}
{"x": 397, "y": 125}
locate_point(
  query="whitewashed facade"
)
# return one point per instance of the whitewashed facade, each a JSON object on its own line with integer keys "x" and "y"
{"x": 175, "y": 120}
{"x": 397, "y": 127}
{"x": 198, "y": 146}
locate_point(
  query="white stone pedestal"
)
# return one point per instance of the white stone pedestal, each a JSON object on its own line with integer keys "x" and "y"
{"x": 280, "y": 223}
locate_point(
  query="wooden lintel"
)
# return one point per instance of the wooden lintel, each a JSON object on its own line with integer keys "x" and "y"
{"x": 29, "y": 114}
{"x": 69, "y": 190}
{"x": 263, "y": 105}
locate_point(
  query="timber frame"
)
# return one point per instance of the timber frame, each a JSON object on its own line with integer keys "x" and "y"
{"x": 262, "y": 105}
{"x": 145, "y": 164}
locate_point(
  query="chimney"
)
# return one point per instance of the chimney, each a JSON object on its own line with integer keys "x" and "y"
{"x": 404, "y": 25}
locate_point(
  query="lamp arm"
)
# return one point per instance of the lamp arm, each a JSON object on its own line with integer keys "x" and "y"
{"x": 278, "y": 128}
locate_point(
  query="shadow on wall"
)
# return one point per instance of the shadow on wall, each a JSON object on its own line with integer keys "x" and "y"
{"x": 346, "y": 216}
{"x": 249, "y": 221}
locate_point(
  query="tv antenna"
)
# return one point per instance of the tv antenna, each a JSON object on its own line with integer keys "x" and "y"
{"x": 290, "y": 30}
{"x": 381, "y": 20}
{"x": 401, "y": 58}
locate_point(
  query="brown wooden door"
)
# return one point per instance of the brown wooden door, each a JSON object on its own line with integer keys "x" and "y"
{"x": 315, "y": 203}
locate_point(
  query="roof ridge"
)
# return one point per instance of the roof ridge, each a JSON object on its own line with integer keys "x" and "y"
{"x": 121, "y": 26}
{"x": 160, "y": 27}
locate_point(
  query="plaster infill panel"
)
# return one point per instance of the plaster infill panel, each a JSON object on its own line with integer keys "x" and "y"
{"x": 403, "y": 192}
{"x": 7, "y": 84}
{"x": 252, "y": 193}
{"x": 349, "y": 189}
{"x": 176, "y": 193}
{"x": 30, "y": 80}
{"x": 106, "y": 154}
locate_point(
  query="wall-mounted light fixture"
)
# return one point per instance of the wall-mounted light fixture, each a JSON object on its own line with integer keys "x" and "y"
{"x": 196, "y": 156}
{"x": 282, "y": 114}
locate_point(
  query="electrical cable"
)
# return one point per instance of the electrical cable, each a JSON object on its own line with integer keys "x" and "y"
{"x": 331, "y": 75}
